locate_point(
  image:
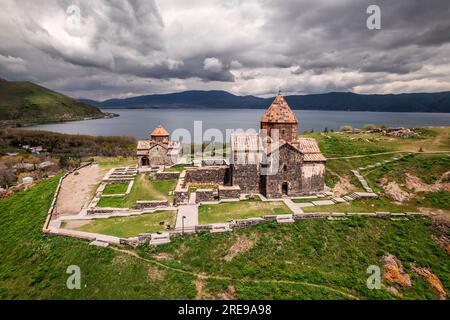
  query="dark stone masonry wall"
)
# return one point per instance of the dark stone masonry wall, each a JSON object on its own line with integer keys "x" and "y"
{"x": 229, "y": 192}
{"x": 151, "y": 204}
{"x": 207, "y": 175}
{"x": 204, "y": 195}
{"x": 181, "y": 196}
{"x": 166, "y": 175}
{"x": 288, "y": 174}
{"x": 246, "y": 176}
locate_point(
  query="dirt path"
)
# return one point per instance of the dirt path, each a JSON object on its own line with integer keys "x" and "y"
{"x": 206, "y": 277}
{"x": 76, "y": 190}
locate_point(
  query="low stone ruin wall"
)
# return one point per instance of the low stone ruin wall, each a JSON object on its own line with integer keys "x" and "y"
{"x": 229, "y": 192}
{"x": 119, "y": 180}
{"x": 247, "y": 222}
{"x": 144, "y": 237}
{"x": 204, "y": 195}
{"x": 104, "y": 210}
{"x": 203, "y": 227}
{"x": 181, "y": 196}
{"x": 207, "y": 175}
{"x": 166, "y": 175}
{"x": 151, "y": 204}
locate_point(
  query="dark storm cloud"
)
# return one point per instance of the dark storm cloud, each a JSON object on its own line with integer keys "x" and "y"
{"x": 248, "y": 47}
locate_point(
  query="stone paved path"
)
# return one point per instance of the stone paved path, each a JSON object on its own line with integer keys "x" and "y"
{"x": 193, "y": 198}
{"x": 190, "y": 211}
{"x": 293, "y": 206}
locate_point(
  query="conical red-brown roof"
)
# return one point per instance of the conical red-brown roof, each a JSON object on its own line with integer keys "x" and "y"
{"x": 159, "y": 131}
{"x": 279, "y": 112}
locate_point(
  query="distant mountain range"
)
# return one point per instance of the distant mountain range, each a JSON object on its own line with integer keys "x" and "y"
{"x": 407, "y": 102}
{"x": 25, "y": 103}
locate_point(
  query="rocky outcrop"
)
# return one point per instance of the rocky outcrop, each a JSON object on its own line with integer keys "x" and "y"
{"x": 393, "y": 271}
{"x": 432, "y": 279}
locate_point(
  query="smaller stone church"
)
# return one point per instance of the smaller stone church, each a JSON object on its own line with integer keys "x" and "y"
{"x": 159, "y": 150}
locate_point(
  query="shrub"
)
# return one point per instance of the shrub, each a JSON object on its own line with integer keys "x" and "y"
{"x": 347, "y": 128}
{"x": 369, "y": 126}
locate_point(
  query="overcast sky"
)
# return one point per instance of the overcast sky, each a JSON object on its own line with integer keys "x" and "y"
{"x": 125, "y": 48}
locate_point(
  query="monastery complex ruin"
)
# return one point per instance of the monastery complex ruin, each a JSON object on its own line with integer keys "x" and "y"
{"x": 274, "y": 163}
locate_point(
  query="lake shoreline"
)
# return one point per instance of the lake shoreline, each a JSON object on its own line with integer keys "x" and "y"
{"x": 259, "y": 108}
{"x": 139, "y": 122}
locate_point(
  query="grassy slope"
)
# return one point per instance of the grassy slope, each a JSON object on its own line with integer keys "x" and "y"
{"x": 33, "y": 266}
{"x": 363, "y": 205}
{"x": 333, "y": 254}
{"x": 26, "y": 102}
{"x": 427, "y": 167}
{"x": 341, "y": 144}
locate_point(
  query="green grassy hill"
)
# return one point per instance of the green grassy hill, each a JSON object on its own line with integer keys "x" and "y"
{"x": 23, "y": 102}
{"x": 310, "y": 259}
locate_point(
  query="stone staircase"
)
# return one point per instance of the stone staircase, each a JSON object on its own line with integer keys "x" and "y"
{"x": 378, "y": 164}
{"x": 338, "y": 200}
{"x": 157, "y": 238}
{"x": 220, "y": 227}
{"x": 99, "y": 243}
{"x": 193, "y": 198}
{"x": 285, "y": 218}
{"x": 363, "y": 181}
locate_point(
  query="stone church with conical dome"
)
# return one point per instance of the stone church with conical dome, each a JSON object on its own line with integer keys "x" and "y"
{"x": 277, "y": 162}
{"x": 158, "y": 150}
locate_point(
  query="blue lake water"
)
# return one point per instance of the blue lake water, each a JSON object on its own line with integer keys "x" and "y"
{"x": 139, "y": 122}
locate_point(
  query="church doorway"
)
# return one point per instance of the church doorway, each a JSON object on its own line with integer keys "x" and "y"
{"x": 284, "y": 188}
{"x": 145, "y": 161}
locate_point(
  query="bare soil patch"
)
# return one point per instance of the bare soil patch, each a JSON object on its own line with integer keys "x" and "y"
{"x": 76, "y": 190}
{"x": 343, "y": 186}
{"x": 154, "y": 273}
{"x": 199, "y": 284}
{"x": 441, "y": 228}
{"x": 242, "y": 244}
{"x": 230, "y": 294}
{"x": 393, "y": 190}
{"x": 119, "y": 260}
{"x": 162, "y": 256}
{"x": 416, "y": 184}
{"x": 441, "y": 214}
